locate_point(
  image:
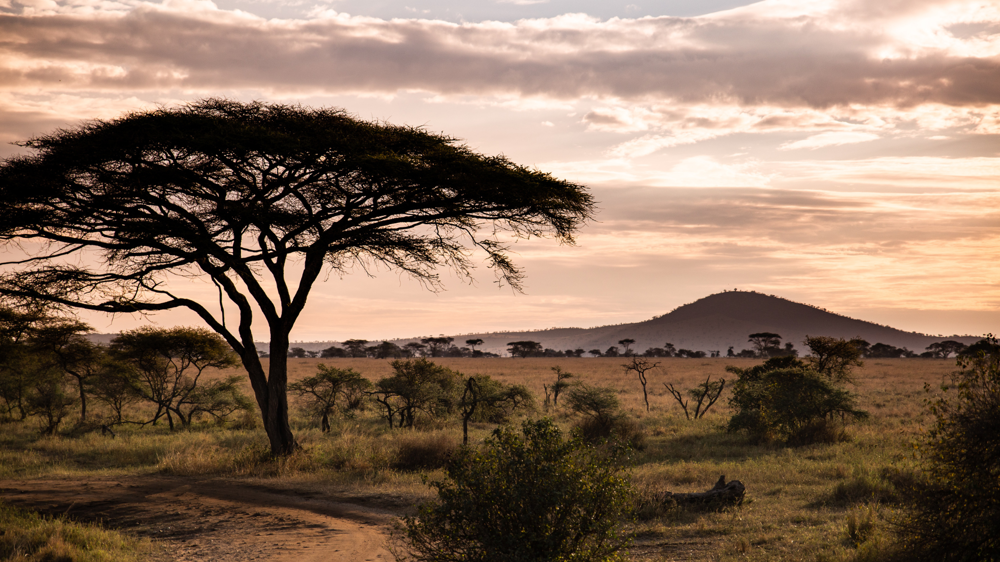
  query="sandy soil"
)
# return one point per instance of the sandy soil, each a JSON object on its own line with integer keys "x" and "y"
{"x": 215, "y": 519}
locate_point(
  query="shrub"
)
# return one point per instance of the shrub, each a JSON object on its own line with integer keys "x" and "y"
{"x": 524, "y": 497}
{"x": 602, "y": 418}
{"x": 956, "y": 511}
{"x": 424, "y": 451}
{"x": 491, "y": 401}
{"x": 783, "y": 399}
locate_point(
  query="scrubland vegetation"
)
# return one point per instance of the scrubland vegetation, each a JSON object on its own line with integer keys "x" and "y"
{"x": 834, "y": 500}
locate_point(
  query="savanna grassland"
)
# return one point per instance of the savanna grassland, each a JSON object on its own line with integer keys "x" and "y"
{"x": 830, "y": 501}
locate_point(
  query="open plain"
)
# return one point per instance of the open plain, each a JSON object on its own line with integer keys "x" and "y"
{"x": 212, "y": 493}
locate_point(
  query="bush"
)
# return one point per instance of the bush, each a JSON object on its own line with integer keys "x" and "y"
{"x": 602, "y": 418}
{"x": 956, "y": 512}
{"x": 783, "y": 399}
{"x": 524, "y": 497}
{"x": 424, "y": 451}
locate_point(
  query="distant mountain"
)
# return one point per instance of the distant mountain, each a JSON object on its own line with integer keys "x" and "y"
{"x": 717, "y": 322}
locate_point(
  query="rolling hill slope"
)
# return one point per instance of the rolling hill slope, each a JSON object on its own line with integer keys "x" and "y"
{"x": 717, "y": 322}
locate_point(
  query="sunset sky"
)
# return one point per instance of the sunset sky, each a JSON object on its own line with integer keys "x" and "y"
{"x": 841, "y": 153}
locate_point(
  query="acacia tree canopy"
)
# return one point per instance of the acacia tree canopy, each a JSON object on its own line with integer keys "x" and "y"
{"x": 261, "y": 199}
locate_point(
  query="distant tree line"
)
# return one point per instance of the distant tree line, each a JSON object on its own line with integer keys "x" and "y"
{"x": 764, "y": 345}
{"x": 426, "y": 347}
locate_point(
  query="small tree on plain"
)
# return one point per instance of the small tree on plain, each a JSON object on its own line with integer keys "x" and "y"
{"x": 416, "y": 386}
{"x": 332, "y": 388}
{"x": 556, "y": 388}
{"x": 524, "y": 497}
{"x": 169, "y": 364}
{"x": 708, "y": 390}
{"x": 640, "y": 366}
{"x": 834, "y": 357}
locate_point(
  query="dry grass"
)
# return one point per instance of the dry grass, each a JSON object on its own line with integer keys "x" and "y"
{"x": 28, "y": 537}
{"x": 819, "y": 502}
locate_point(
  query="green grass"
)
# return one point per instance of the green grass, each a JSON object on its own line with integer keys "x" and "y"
{"x": 29, "y": 537}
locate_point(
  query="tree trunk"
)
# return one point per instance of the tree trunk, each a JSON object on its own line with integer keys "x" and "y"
{"x": 83, "y": 400}
{"x": 275, "y": 408}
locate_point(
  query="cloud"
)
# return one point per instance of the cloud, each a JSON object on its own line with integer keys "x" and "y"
{"x": 780, "y": 56}
{"x": 829, "y": 139}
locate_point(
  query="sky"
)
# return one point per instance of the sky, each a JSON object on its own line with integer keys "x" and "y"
{"x": 840, "y": 153}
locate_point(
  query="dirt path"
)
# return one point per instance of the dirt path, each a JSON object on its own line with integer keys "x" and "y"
{"x": 214, "y": 519}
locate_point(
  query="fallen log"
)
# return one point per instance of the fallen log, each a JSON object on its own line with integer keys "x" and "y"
{"x": 721, "y": 495}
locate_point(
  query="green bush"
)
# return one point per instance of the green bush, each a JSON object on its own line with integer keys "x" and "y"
{"x": 523, "y": 498}
{"x": 956, "y": 512}
{"x": 602, "y": 419}
{"x": 783, "y": 399}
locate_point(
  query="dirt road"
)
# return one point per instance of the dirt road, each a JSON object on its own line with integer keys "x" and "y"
{"x": 216, "y": 520}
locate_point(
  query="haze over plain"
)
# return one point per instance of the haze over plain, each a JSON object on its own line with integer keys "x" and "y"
{"x": 840, "y": 153}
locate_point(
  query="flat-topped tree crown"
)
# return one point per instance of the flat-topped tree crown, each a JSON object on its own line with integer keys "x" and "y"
{"x": 254, "y": 195}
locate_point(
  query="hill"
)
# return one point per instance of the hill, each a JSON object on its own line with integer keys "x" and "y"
{"x": 717, "y": 322}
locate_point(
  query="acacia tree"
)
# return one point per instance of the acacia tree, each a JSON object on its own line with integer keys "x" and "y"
{"x": 766, "y": 344}
{"x": 261, "y": 199}
{"x": 524, "y": 349}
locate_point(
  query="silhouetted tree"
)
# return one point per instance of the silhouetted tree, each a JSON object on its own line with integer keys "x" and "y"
{"x": 329, "y": 389}
{"x": 524, "y": 348}
{"x": 640, "y": 367}
{"x": 944, "y": 349}
{"x": 834, "y": 357}
{"x": 332, "y": 352}
{"x": 388, "y": 350}
{"x": 627, "y": 344}
{"x": 297, "y": 353}
{"x": 707, "y": 390}
{"x": 556, "y": 388}
{"x": 415, "y": 386}
{"x": 985, "y": 345}
{"x": 262, "y": 199}
{"x": 169, "y": 364}
{"x": 766, "y": 344}
{"x": 414, "y": 349}
{"x": 437, "y": 346}
{"x": 63, "y": 341}
{"x": 596, "y": 352}
{"x": 473, "y": 343}
{"x": 356, "y": 348}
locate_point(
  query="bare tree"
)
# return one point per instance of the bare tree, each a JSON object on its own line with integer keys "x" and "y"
{"x": 640, "y": 366}
{"x": 707, "y": 390}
